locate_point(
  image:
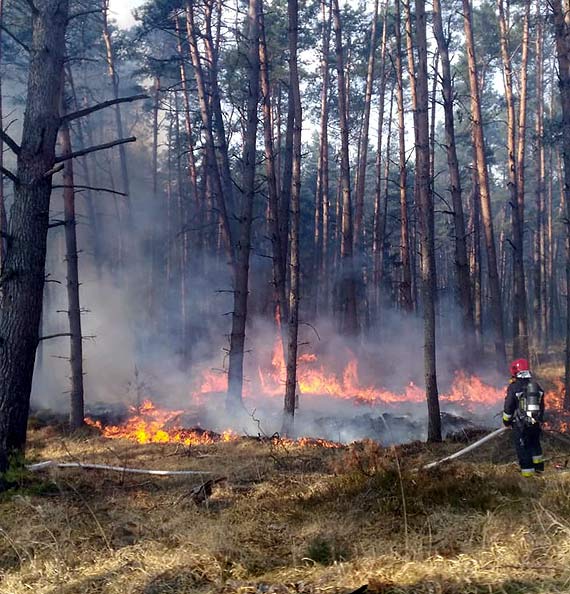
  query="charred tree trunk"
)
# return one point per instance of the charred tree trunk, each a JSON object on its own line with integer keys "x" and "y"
{"x": 348, "y": 307}
{"x": 77, "y": 413}
{"x": 243, "y": 246}
{"x": 484, "y": 192}
{"x": 23, "y": 273}
{"x": 461, "y": 262}
{"x": 291, "y": 380}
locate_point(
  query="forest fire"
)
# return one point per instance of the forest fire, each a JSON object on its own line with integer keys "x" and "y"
{"x": 314, "y": 378}
{"x": 148, "y": 424}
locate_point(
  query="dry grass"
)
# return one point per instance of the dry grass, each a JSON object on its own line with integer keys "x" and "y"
{"x": 288, "y": 519}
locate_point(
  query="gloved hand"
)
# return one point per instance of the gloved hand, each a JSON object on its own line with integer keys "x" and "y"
{"x": 507, "y": 423}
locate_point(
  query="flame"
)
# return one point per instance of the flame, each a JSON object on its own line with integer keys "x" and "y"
{"x": 149, "y": 424}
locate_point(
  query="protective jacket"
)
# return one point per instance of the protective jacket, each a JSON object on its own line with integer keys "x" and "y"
{"x": 516, "y": 402}
{"x": 524, "y": 411}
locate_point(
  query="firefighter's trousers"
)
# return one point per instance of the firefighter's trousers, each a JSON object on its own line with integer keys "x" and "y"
{"x": 529, "y": 451}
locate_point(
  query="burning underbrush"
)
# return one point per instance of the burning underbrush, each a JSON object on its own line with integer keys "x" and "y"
{"x": 335, "y": 407}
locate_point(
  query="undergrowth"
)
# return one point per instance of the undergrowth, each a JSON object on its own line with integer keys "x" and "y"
{"x": 287, "y": 520}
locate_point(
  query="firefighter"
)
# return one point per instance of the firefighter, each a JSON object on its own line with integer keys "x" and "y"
{"x": 524, "y": 412}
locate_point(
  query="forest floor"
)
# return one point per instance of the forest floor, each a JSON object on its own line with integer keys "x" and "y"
{"x": 288, "y": 519}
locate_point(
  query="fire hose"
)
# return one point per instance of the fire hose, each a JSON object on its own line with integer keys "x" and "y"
{"x": 53, "y": 464}
{"x": 469, "y": 448}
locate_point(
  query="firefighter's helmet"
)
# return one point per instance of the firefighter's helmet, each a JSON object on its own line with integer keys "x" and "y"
{"x": 519, "y": 365}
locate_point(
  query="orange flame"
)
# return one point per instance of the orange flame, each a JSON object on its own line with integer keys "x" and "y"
{"x": 151, "y": 425}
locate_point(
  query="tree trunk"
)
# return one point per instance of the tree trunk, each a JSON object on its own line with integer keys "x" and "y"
{"x": 243, "y": 246}
{"x": 562, "y": 36}
{"x": 322, "y": 192}
{"x": 348, "y": 307}
{"x": 461, "y": 262}
{"x": 291, "y": 380}
{"x": 484, "y": 192}
{"x": 379, "y": 223}
{"x": 426, "y": 222}
{"x": 475, "y": 267}
{"x": 77, "y": 413}
{"x": 213, "y": 173}
{"x": 192, "y": 169}
{"x": 23, "y": 273}
{"x": 94, "y": 221}
{"x": 520, "y": 338}
{"x": 114, "y": 77}
{"x": 363, "y": 161}
{"x": 406, "y": 282}
{"x": 278, "y": 257}
{"x": 3, "y": 219}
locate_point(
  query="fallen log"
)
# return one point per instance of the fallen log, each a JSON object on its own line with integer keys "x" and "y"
{"x": 53, "y": 464}
{"x": 469, "y": 448}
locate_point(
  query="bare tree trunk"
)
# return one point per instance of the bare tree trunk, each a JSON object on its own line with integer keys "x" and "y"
{"x": 291, "y": 380}
{"x": 520, "y": 338}
{"x": 279, "y": 259}
{"x": 94, "y": 221}
{"x": 562, "y": 36}
{"x": 213, "y": 173}
{"x": 363, "y": 162}
{"x": 192, "y": 169}
{"x": 426, "y": 221}
{"x": 77, "y": 414}
{"x": 406, "y": 282}
{"x": 461, "y": 262}
{"x": 243, "y": 246}
{"x": 476, "y": 276}
{"x": 3, "y": 219}
{"x": 216, "y": 106}
{"x": 540, "y": 279}
{"x": 381, "y": 208}
{"x": 379, "y": 223}
{"x": 349, "y": 318}
{"x": 23, "y": 272}
{"x": 114, "y": 77}
{"x": 485, "y": 195}
{"x": 322, "y": 191}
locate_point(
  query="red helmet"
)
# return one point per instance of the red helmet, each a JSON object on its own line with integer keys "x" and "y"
{"x": 519, "y": 365}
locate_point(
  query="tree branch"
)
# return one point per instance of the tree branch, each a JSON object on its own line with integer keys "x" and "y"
{"x": 4, "y": 136}
{"x": 14, "y": 38}
{"x": 93, "y": 149}
{"x": 89, "y": 110}
{"x": 50, "y": 336}
{"x": 83, "y": 13}
{"x": 94, "y": 189}
{"x": 9, "y": 175}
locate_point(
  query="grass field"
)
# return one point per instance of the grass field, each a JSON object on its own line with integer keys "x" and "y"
{"x": 288, "y": 519}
